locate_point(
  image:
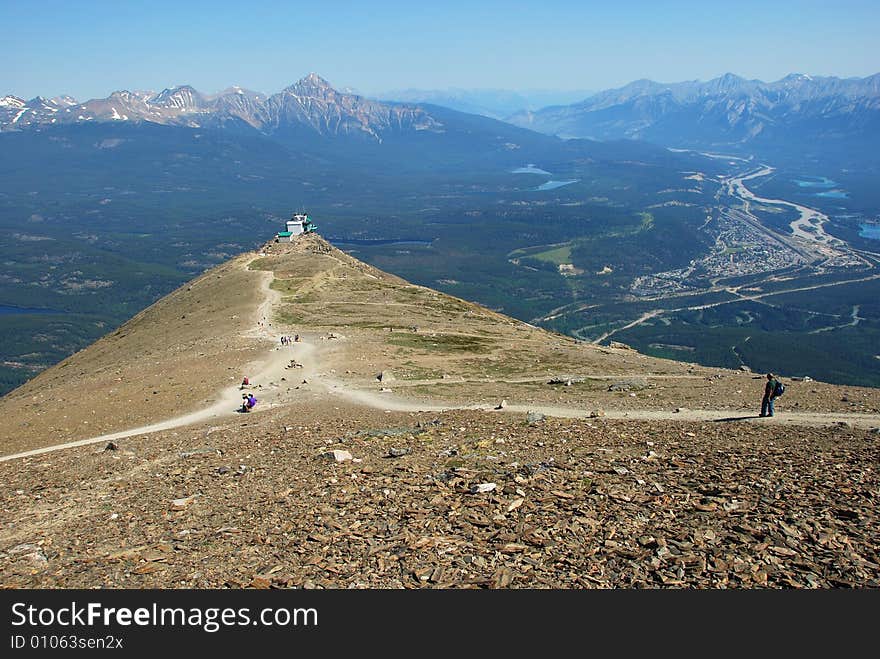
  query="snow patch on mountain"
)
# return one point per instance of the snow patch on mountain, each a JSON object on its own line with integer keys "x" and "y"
{"x": 11, "y": 102}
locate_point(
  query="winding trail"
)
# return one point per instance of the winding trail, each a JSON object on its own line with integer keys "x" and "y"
{"x": 816, "y": 419}
{"x": 228, "y": 399}
{"x": 274, "y": 366}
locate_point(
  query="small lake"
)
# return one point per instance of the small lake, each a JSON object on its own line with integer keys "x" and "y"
{"x": 366, "y": 242}
{"x": 9, "y": 311}
{"x": 552, "y": 185}
{"x": 814, "y": 182}
{"x": 530, "y": 169}
{"x": 871, "y": 231}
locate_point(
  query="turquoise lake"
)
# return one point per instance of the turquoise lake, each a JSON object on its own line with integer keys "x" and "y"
{"x": 815, "y": 182}
{"x": 821, "y": 182}
{"x": 871, "y": 231}
{"x": 552, "y": 185}
{"x": 530, "y": 169}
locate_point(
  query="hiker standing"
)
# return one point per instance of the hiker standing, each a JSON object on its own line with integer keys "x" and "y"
{"x": 770, "y": 395}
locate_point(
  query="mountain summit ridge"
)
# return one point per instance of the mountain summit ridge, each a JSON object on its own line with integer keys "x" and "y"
{"x": 432, "y": 350}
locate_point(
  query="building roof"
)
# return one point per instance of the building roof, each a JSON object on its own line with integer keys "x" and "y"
{"x": 285, "y": 234}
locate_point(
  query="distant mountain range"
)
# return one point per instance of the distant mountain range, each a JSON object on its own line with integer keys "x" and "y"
{"x": 728, "y": 110}
{"x": 309, "y": 119}
{"x": 310, "y": 103}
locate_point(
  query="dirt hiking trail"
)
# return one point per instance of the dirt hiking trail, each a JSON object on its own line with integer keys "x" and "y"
{"x": 311, "y": 365}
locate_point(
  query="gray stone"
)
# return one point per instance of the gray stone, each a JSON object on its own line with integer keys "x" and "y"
{"x": 30, "y": 552}
{"x": 337, "y": 455}
{"x": 202, "y": 450}
{"x": 631, "y": 384}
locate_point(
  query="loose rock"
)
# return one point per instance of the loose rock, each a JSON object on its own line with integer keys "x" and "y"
{"x": 337, "y": 455}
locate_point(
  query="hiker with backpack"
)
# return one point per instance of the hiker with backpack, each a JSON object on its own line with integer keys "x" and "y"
{"x": 772, "y": 390}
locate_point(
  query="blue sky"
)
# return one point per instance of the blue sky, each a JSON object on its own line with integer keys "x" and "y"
{"x": 89, "y": 48}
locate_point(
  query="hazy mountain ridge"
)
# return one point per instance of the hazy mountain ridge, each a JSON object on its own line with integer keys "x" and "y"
{"x": 728, "y": 109}
{"x": 494, "y": 103}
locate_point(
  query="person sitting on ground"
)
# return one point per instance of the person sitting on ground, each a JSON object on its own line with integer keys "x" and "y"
{"x": 247, "y": 402}
{"x": 769, "y": 395}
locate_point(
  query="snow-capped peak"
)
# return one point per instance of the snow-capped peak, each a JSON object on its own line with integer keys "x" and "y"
{"x": 797, "y": 77}
{"x": 182, "y": 98}
{"x": 12, "y": 102}
{"x": 65, "y": 100}
{"x": 311, "y": 85}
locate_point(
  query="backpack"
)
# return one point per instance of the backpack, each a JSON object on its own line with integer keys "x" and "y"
{"x": 779, "y": 389}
